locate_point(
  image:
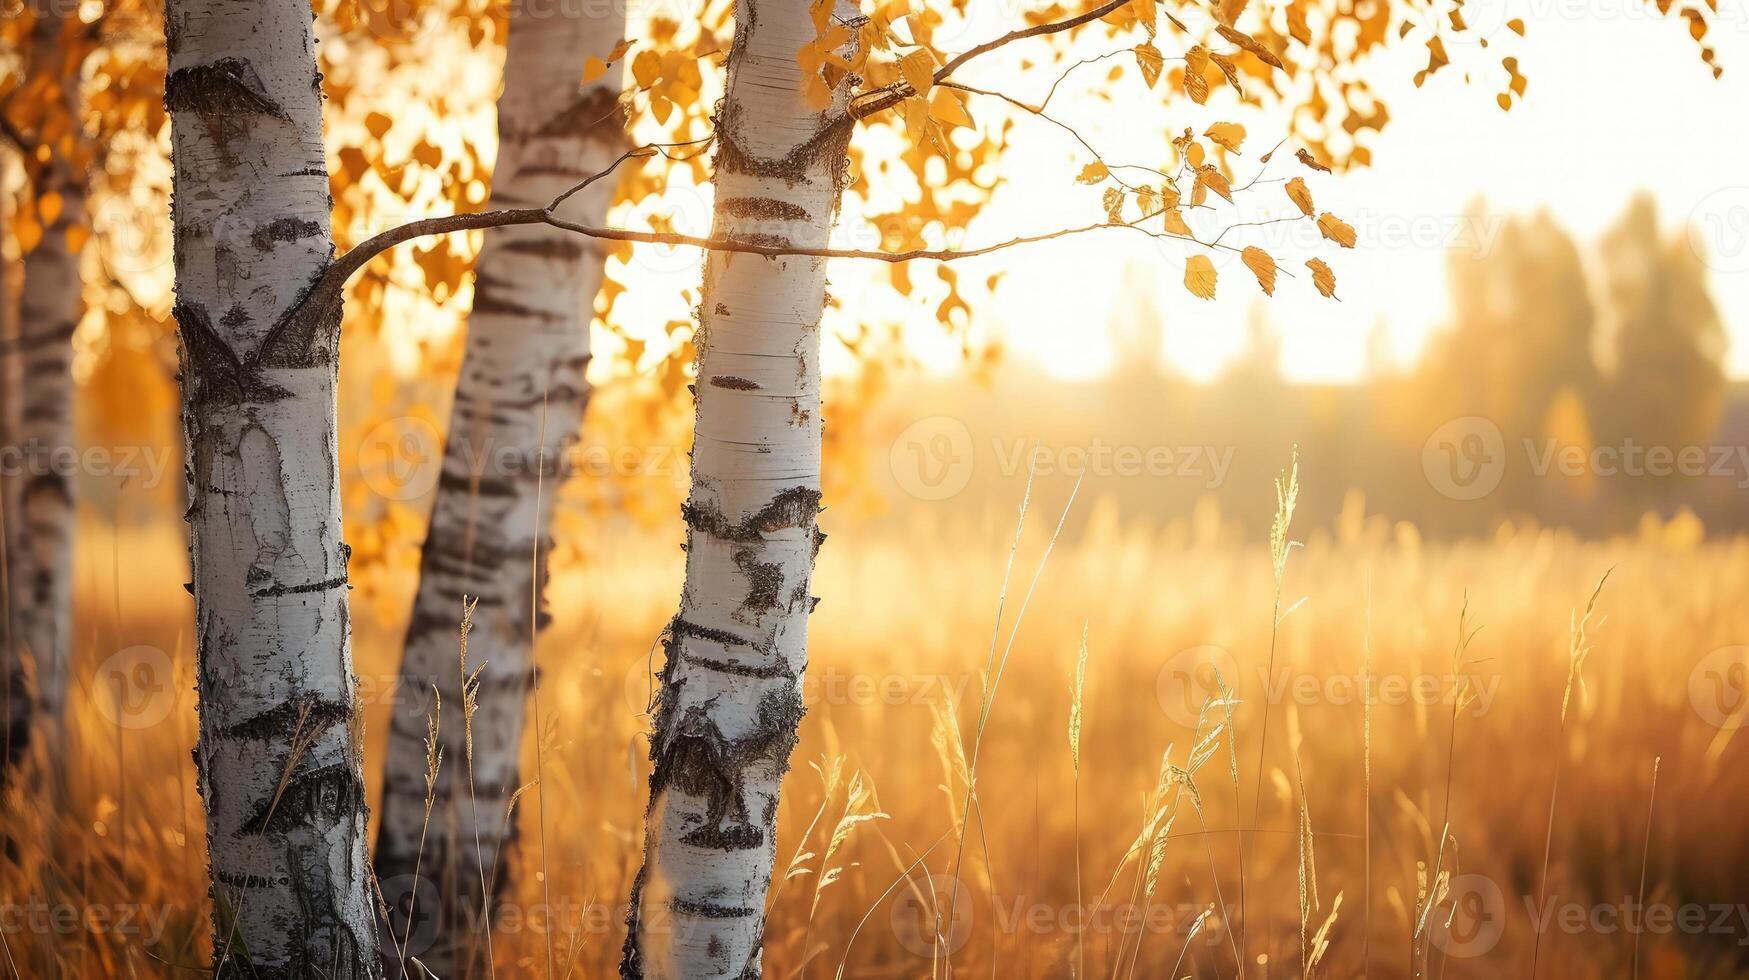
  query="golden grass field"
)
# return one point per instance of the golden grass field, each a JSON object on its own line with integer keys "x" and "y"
{"x": 907, "y": 619}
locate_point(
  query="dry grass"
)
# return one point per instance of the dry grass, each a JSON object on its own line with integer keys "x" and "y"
{"x": 901, "y": 625}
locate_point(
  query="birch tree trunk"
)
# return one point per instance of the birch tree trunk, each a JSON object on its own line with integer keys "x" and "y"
{"x": 518, "y": 407}
{"x": 277, "y": 758}
{"x": 15, "y": 711}
{"x": 731, "y": 699}
{"x": 50, "y": 309}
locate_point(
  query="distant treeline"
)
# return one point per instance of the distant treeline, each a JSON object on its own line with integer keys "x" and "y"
{"x": 1578, "y": 389}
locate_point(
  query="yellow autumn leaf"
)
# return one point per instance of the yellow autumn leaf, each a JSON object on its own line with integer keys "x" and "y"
{"x": 647, "y": 68}
{"x": 1301, "y": 195}
{"x": 1175, "y": 224}
{"x": 1199, "y": 277}
{"x": 1093, "y": 173}
{"x": 619, "y": 51}
{"x": 918, "y": 70}
{"x": 593, "y": 68}
{"x": 1196, "y": 83}
{"x": 1322, "y": 277}
{"x": 1336, "y": 230}
{"x": 1262, "y": 266}
{"x": 48, "y": 207}
{"x": 1227, "y": 134}
{"x": 1150, "y": 61}
{"x": 1216, "y": 181}
{"x": 1251, "y": 44}
{"x": 946, "y": 108}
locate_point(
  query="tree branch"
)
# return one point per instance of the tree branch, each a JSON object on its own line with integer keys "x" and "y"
{"x": 898, "y": 92}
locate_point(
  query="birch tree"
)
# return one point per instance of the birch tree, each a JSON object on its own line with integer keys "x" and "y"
{"x": 518, "y": 408}
{"x": 279, "y": 769}
{"x": 41, "y": 572}
{"x": 15, "y": 712}
{"x": 730, "y": 699}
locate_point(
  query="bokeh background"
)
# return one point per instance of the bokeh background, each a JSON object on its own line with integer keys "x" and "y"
{"x": 1441, "y": 763}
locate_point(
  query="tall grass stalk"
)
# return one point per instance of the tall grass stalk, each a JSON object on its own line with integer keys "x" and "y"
{"x": 1287, "y": 495}
{"x": 1645, "y": 857}
{"x": 1579, "y": 647}
{"x": 994, "y": 668}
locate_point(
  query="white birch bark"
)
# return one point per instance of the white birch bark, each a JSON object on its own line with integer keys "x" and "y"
{"x": 518, "y": 407}
{"x": 731, "y": 698}
{"x": 50, "y": 308}
{"x": 277, "y": 756}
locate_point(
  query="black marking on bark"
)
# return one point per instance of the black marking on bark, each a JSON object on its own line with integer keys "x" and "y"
{"x": 763, "y": 208}
{"x": 283, "y": 230}
{"x": 794, "y": 507}
{"x": 733, "y": 383}
{"x": 227, "y": 87}
{"x": 778, "y": 669}
{"x": 492, "y": 297}
{"x": 213, "y": 370}
{"x": 828, "y": 146}
{"x": 708, "y": 911}
{"x": 55, "y": 336}
{"x": 319, "y": 795}
{"x": 680, "y": 629}
{"x": 721, "y": 310}
{"x": 281, "y": 590}
{"x": 764, "y": 580}
{"x": 307, "y": 334}
{"x": 558, "y": 248}
{"x": 280, "y": 722}
{"x": 595, "y": 113}
{"x": 762, "y": 239}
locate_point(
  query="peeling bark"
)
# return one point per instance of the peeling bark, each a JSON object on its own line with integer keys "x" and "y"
{"x": 277, "y": 756}
{"x": 519, "y": 404}
{"x": 41, "y": 575}
{"x": 730, "y": 702}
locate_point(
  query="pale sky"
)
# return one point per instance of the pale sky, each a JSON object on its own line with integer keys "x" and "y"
{"x": 1618, "y": 101}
